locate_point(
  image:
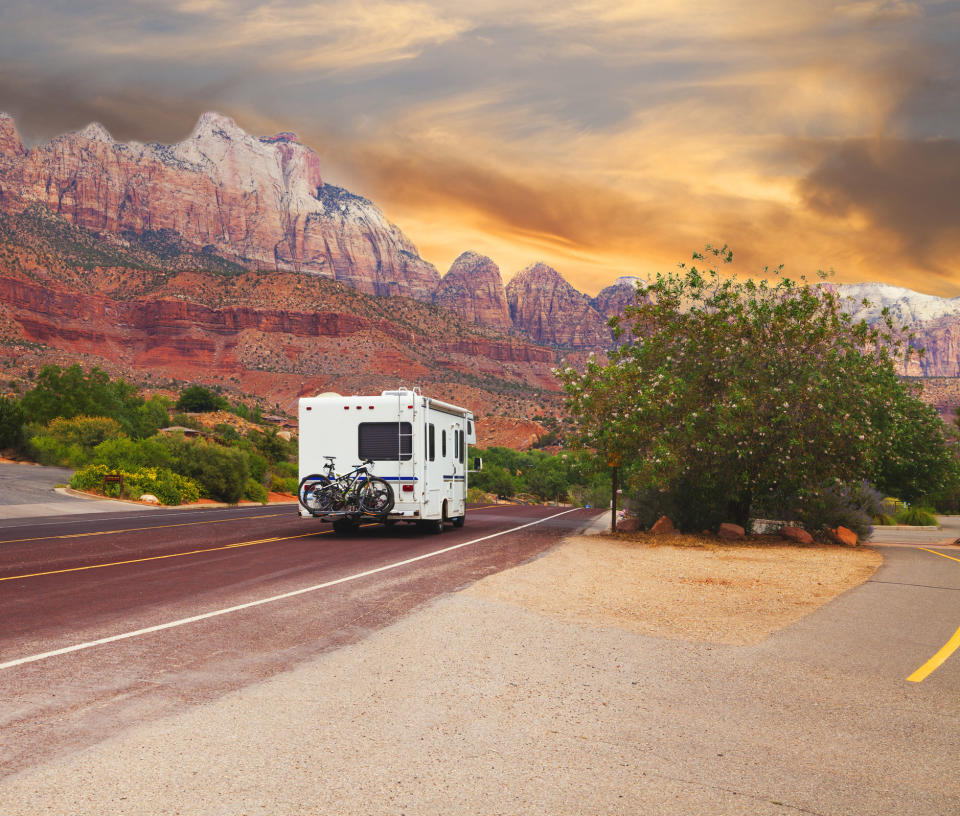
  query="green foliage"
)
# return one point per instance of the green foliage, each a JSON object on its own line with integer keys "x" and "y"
{"x": 284, "y": 484}
{"x": 257, "y": 465}
{"x": 184, "y": 421}
{"x": 256, "y": 491}
{"x": 12, "y": 419}
{"x": 286, "y": 469}
{"x": 70, "y": 442}
{"x": 476, "y": 496}
{"x": 197, "y": 399}
{"x": 167, "y": 486}
{"x": 917, "y": 517}
{"x": 271, "y": 446}
{"x": 226, "y": 431}
{"x": 221, "y": 472}
{"x": 729, "y": 394}
{"x": 124, "y": 453}
{"x": 884, "y": 520}
{"x": 495, "y": 479}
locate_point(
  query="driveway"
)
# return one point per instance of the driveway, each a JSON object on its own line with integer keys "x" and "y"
{"x": 30, "y": 491}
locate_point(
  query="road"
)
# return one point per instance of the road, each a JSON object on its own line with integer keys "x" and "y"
{"x": 30, "y": 491}
{"x": 66, "y": 584}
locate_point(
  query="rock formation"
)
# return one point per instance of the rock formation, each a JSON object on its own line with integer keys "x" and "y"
{"x": 613, "y": 299}
{"x": 473, "y": 289}
{"x": 549, "y": 310}
{"x": 259, "y": 202}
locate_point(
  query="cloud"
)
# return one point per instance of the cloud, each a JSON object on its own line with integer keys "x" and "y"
{"x": 905, "y": 189}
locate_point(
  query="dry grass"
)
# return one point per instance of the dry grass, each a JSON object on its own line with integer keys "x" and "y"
{"x": 682, "y": 587}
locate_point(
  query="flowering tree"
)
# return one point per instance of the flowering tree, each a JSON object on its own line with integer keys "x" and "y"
{"x": 736, "y": 394}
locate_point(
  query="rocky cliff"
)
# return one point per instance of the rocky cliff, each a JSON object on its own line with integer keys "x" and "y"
{"x": 549, "y": 310}
{"x": 259, "y": 202}
{"x": 615, "y": 298}
{"x": 473, "y": 289}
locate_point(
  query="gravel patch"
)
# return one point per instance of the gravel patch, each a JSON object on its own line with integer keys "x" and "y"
{"x": 717, "y": 593}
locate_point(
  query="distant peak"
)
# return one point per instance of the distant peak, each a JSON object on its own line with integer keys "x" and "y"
{"x": 471, "y": 258}
{"x": 628, "y": 280}
{"x": 96, "y": 132}
{"x": 284, "y": 136}
{"x": 540, "y": 269}
{"x": 216, "y": 125}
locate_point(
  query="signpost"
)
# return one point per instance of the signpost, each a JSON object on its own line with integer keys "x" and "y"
{"x": 113, "y": 478}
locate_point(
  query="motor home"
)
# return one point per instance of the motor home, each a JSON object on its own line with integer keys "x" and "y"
{"x": 417, "y": 444}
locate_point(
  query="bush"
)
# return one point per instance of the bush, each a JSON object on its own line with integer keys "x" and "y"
{"x": 226, "y": 431}
{"x": 169, "y": 487}
{"x": 884, "y": 520}
{"x": 184, "y": 421}
{"x": 854, "y": 506}
{"x": 197, "y": 399}
{"x": 129, "y": 454}
{"x": 284, "y": 484}
{"x": 287, "y": 469}
{"x": 476, "y": 496}
{"x": 221, "y": 472}
{"x": 71, "y": 442}
{"x": 256, "y": 491}
{"x": 917, "y": 517}
{"x": 590, "y": 496}
{"x": 12, "y": 419}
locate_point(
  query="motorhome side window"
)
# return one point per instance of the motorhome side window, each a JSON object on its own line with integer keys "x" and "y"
{"x": 462, "y": 454}
{"x": 431, "y": 442}
{"x": 385, "y": 441}
{"x": 443, "y": 444}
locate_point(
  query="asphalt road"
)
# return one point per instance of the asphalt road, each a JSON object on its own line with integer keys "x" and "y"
{"x": 67, "y": 583}
{"x": 30, "y": 491}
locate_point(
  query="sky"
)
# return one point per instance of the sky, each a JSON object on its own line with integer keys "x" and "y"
{"x": 604, "y": 138}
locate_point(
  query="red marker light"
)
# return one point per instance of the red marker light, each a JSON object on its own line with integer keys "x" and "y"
{"x": 407, "y": 488}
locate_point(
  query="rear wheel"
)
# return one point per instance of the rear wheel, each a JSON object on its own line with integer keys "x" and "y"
{"x": 311, "y": 495}
{"x": 459, "y": 521}
{"x": 376, "y": 497}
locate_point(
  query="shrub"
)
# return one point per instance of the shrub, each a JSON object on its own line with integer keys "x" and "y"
{"x": 917, "y": 517}
{"x": 256, "y": 491}
{"x": 197, "y": 399}
{"x": 476, "y": 496}
{"x": 226, "y": 431}
{"x": 852, "y": 505}
{"x": 71, "y": 441}
{"x": 284, "y": 484}
{"x": 221, "y": 472}
{"x": 185, "y": 421}
{"x": 257, "y": 465}
{"x": 129, "y": 454}
{"x": 169, "y": 487}
{"x": 590, "y": 496}
{"x": 884, "y": 520}
{"x": 287, "y": 469}
{"x": 11, "y": 423}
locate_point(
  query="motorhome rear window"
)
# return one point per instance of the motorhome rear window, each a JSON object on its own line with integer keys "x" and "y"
{"x": 385, "y": 441}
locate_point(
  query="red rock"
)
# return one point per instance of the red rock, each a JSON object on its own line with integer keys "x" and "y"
{"x": 548, "y": 309}
{"x": 473, "y": 289}
{"x": 797, "y": 534}
{"x": 259, "y": 202}
{"x": 662, "y": 526}
{"x": 731, "y": 532}
{"x": 630, "y": 524}
{"x": 844, "y": 536}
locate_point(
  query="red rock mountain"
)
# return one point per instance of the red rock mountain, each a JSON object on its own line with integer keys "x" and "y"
{"x": 614, "y": 298}
{"x": 550, "y": 310}
{"x": 259, "y": 202}
{"x": 473, "y": 289}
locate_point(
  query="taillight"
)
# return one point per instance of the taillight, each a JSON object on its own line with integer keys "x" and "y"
{"x": 407, "y": 488}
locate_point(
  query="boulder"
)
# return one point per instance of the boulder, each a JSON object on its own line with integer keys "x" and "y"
{"x": 662, "y": 526}
{"x": 842, "y": 535}
{"x": 629, "y": 524}
{"x": 797, "y": 534}
{"x": 149, "y": 498}
{"x": 731, "y": 532}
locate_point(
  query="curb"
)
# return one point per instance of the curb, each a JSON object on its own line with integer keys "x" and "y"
{"x": 79, "y": 494}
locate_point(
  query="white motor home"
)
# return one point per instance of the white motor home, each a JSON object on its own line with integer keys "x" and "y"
{"x": 418, "y": 446}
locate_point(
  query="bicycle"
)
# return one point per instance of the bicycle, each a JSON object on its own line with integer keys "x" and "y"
{"x": 358, "y": 492}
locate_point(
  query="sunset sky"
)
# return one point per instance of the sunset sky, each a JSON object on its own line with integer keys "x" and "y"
{"x": 604, "y": 138}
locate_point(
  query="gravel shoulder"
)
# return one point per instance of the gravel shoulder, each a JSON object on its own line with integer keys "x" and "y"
{"x": 498, "y": 699}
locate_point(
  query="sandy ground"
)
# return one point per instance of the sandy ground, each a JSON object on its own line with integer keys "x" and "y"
{"x": 736, "y": 594}
{"x": 540, "y": 690}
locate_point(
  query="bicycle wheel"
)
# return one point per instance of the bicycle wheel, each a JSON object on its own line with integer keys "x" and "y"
{"x": 376, "y": 497}
{"x": 311, "y": 494}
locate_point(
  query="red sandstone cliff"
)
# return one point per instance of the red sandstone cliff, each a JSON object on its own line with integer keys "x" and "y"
{"x": 473, "y": 289}
{"x": 551, "y": 311}
{"x": 260, "y": 202}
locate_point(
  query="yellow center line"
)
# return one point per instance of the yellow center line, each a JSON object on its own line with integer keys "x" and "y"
{"x": 136, "y": 529}
{"x": 940, "y": 554}
{"x": 160, "y": 557}
{"x": 945, "y": 651}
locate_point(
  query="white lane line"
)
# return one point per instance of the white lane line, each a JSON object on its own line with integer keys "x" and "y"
{"x": 184, "y": 621}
